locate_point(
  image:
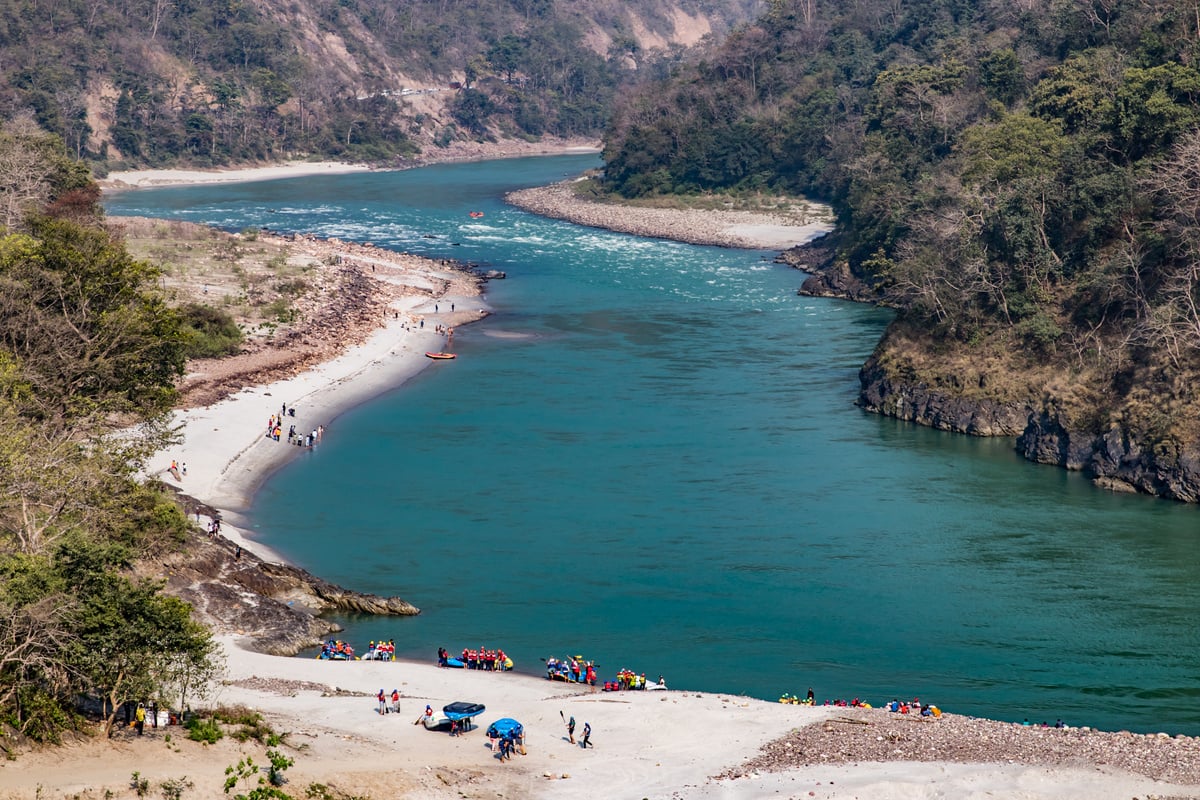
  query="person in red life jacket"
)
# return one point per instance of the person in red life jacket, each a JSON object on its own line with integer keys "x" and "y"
{"x": 591, "y": 674}
{"x": 396, "y": 700}
{"x": 382, "y": 698}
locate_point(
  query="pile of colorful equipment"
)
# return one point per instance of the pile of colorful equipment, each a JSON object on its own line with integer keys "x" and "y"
{"x": 791, "y": 699}
{"x": 626, "y": 679}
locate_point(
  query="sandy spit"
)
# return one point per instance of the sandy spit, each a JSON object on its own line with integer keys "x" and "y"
{"x": 745, "y": 229}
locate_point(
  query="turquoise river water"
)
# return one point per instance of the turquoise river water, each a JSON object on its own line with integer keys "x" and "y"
{"x": 650, "y": 455}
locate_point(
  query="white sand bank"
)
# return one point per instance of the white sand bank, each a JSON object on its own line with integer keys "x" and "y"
{"x": 143, "y": 178}
{"x": 646, "y": 745}
{"x": 225, "y": 449}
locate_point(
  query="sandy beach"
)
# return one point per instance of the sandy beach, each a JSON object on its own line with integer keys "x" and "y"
{"x": 652, "y": 744}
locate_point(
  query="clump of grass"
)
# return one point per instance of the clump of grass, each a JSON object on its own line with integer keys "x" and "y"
{"x": 249, "y": 723}
{"x": 212, "y": 333}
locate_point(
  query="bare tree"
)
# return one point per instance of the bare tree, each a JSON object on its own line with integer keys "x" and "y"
{"x": 32, "y": 640}
{"x": 159, "y": 11}
{"x": 1175, "y": 319}
{"x": 24, "y": 170}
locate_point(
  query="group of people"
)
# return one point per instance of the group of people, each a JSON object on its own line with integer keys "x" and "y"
{"x": 809, "y": 700}
{"x": 275, "y": 429}
{"x": 384, "y": 708}
{"x": 1058, "y": 724}
{"x": 484, "y": 658}
{"x": 915, "y": 707}
{"x": 586, "y": 740}
{"x": 336, "y": 650}
{"x": 628, "y": 679}
{"x": 572, "y": 670}
{"x": 896, "y": 706}
{"x": 506, "y": 743}
{"x": 381, "y": 650}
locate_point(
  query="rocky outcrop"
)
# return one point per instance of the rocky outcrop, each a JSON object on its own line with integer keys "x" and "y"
{"x": 1117, "y": 459}
{"x": 937, "y": 407}
{"x": 827, "y": 275}
{"x": 277, "y": 606}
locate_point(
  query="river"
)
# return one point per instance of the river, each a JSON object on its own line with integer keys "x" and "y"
{"x": 650, "y": 455}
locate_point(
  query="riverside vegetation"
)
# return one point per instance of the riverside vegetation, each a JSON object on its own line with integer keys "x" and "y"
{"x": 89, "y": 357}
{"x": 1018, "y": 181}
{"x": 99, "y": 567}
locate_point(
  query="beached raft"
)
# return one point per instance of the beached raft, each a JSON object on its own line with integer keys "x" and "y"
{"x": 458, "y": 712}
{"x": 440, "y": 356}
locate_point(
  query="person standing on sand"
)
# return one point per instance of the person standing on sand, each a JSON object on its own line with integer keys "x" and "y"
{"x": 587, "y": 735}
{"x": 571, "y": 729}
{"x": 140, "y": 718}
{"x": 382, "y": 698}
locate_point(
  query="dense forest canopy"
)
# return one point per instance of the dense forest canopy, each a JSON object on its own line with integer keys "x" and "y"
{"x": 154, "y": 82}
{"x": 1017, "y": 178}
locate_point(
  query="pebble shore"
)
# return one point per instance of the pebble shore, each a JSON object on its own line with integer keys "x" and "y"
{"x": 712, "y": 227}
{"x": 875, "y": 735}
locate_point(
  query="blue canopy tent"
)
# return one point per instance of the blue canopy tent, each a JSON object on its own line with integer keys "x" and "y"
{"x": 511, "y": 735}
{"x": 502, "y": 727}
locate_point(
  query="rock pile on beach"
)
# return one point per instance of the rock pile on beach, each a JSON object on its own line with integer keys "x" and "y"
{"x": 876, "y": 735}
{"x": 283, "y": 686}
{"x": 350, "y": 287}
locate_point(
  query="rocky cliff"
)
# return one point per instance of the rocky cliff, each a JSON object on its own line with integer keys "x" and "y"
{"x": 1059, "y": 416}
{"x": 979, "y": 397}
{"x": 944, "y": 407}
{"x": 1118, "y": 459}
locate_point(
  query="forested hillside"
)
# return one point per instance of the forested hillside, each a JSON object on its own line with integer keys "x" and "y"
{"x": 1019, "y": 179}
{"x": 89, "y": 357}
{"x": 156, "y": 82}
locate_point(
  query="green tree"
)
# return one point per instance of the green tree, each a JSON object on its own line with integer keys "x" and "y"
{"x": 128, "y": 639}
{"x": 506, "y": 55}
{"x": 1002, "y": 75}
{"x": 92, "y": 335}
